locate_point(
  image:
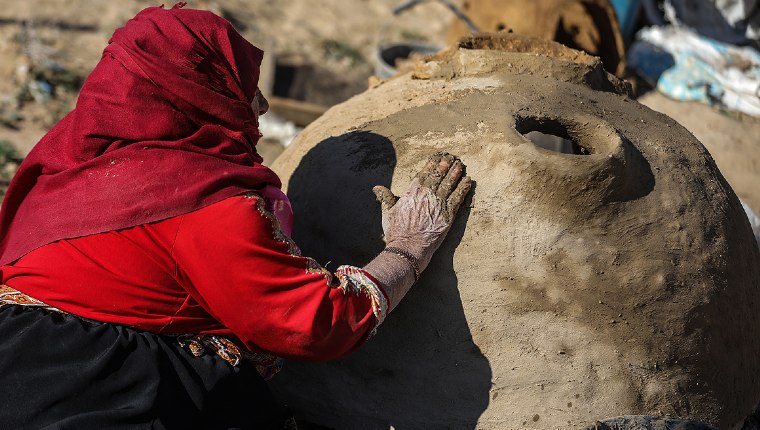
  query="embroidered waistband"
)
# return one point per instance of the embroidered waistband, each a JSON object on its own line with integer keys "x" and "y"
{"x": 197, "y": 344}
{"x": 267, "y": 365}
{"x": 11, "y": 296}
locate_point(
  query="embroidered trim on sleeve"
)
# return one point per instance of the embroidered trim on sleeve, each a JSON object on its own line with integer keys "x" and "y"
{"x": 349, "y": 278}
{"x": 279, "y": 235}
{"x": 356, "y": 281}
{"x": 312, "y": 266}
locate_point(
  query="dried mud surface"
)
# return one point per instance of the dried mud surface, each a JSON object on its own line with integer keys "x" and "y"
{"x": 571, "y": 289}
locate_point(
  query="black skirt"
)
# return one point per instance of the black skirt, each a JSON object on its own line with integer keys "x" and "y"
{"x": 59, "y": 371}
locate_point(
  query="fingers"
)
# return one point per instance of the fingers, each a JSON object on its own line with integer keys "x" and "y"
{"x": 451, "y": 180}
{"x": 383, "y": 195}
{"x": 435, "y": 170}
{"x": 429, "y": 168}
{"x": 457, "y": 197}
{"x": 443, "y": 174}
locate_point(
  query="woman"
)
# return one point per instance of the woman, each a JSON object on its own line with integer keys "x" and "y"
{"x": 149, "y": 280}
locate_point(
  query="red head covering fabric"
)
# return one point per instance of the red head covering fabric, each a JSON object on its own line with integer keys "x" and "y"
{"x": 163, "y": 126}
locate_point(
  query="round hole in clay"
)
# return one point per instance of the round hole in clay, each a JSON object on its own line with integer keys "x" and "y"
{"x": 552, "y": 135}
{"x": 552, "y": 142}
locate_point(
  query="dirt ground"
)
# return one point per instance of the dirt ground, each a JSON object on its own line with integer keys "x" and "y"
{"x": 58, "y": 41}
{"x": 733, "y": 142}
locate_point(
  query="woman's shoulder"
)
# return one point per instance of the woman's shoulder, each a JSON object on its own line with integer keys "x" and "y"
{"x": 244, "y": 215}
{"x": 239, "y": 208}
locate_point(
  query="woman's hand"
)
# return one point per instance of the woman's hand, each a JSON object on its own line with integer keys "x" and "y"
{"x": 417, "y": 222}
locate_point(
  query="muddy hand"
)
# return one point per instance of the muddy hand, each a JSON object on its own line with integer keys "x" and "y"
{"x": 418, "y": 221}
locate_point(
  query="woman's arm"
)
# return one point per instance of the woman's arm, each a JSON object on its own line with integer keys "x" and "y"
{"x": 236, "y": 262}
{"x": 416, "y": 224}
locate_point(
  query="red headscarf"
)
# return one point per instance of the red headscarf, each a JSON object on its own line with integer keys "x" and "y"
{"x": 163, "y": 126}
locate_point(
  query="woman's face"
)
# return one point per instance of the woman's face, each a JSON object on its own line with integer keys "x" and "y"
{"x": 259, "y": 104}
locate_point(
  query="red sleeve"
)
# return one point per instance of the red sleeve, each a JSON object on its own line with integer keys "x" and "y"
{"x": 234, "y": 260}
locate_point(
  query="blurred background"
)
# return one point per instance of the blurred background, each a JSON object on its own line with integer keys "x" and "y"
{"x": 694, "y": 60}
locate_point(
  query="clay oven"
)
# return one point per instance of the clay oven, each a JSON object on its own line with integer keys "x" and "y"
{"x": 617, "y": 277}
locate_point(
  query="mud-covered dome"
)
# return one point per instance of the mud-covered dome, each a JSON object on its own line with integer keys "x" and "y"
{"x": 618, "y": 277}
